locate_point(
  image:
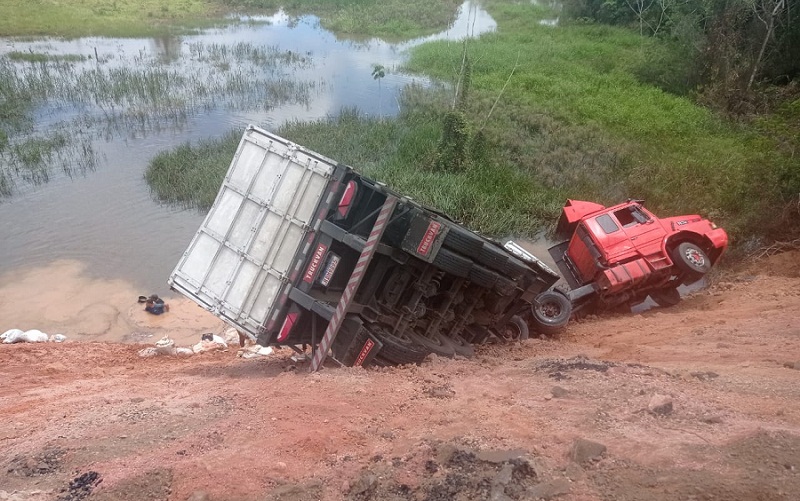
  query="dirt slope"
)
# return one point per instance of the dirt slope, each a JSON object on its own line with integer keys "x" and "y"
{"x": 698, "y": 402}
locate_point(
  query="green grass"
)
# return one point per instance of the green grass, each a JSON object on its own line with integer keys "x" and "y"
{"x": 575, "y": 118}
{"x": 38, "y": 57}
{"x": 135, "y": 18}
{"x": 191, "y": 175}
{"x": 115, "y": 18}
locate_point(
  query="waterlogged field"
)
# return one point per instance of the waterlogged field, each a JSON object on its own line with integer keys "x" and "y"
{"x": 82, "y": 119}
{"x": 136, "y": 18}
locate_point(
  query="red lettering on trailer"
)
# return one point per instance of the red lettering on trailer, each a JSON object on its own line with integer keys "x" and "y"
{"x": 364, "y": 352}
{"x": 314, "y": 266}
{"x": 430, "y": 235}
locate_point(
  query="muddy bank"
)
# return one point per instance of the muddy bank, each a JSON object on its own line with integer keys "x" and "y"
{"x": 63, "y": 297}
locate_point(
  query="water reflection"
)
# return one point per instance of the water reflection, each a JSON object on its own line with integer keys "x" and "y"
{"x": 159, "y": 93}
{"x": 167, "y": 48}
{"x": 554, "y": 5}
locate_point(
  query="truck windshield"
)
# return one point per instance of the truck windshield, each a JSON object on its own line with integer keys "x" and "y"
{"x": 630, "y": 216}
{"x": 608, "y": 224}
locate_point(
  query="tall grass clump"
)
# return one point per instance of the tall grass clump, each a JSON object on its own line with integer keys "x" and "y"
{"x": 190, "y": 175}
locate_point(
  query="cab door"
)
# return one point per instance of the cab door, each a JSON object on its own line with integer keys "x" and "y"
{"x": 642, "y": 230}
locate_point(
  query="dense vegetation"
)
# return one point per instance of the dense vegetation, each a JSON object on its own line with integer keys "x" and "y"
{"x": 542, "y": 113}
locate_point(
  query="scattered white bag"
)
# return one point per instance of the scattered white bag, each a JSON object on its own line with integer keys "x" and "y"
{"x": 11, "y": 335}
{"x": 209, "y": 346}
{"x": 35, "y": 336}
{"x": 255, "y": 351}
{"x": 165, "y": 346}
{"x": 231, "y": 336}
{"x": 31, "y": 336}
{"x": 184, "y": 352}
{"x": 58, "y": 338}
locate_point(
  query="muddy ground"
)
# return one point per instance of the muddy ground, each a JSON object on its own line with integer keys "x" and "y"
{"x": 696, "y": 402}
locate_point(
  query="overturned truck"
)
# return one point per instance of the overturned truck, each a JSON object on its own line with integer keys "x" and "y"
{"x": 299, "y": 250}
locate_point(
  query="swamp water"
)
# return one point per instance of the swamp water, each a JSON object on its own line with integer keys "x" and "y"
{"x": 80, "y": 234}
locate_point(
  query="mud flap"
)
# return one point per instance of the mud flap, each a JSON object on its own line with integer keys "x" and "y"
{"x": 355, "y": 345}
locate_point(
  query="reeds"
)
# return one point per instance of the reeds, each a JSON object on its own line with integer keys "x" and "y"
{"x": 120, "y": 95}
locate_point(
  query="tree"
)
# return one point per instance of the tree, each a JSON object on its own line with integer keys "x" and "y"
{"x": 767, "y": 11}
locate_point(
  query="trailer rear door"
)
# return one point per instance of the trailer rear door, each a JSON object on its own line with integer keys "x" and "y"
{"x": 239, "y": 261}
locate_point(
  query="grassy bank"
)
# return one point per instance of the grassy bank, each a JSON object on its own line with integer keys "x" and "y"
{"x": 572, "y": 121}
{"x": 117, "y": 18}
{"x": 135, "y": 18}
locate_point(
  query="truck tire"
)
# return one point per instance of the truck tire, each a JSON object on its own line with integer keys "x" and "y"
{"x": 550, "y": 312}
{"x": 462, "y": 347}
{"x": 493, "y": 257}
{"x": 463, "y": 241}
{"x": 691, "y": 260}
{"x": 437, "y": 343}
{"x": 482, "y": 277}
{"x": 666, "y": 297}
{"x": 399, "y": 350}
{"x": 452, "y": 263}
{"x": 515, "y": 330}
{"x": 498, "y": 259}
{"x": 475, "y": 334}
{"x": 379, "y": 361}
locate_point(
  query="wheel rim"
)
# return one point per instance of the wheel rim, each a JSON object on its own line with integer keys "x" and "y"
{"x": 511, "y": 331}
{"x": 695, "y": 257}
{"x": 550, "y": 309}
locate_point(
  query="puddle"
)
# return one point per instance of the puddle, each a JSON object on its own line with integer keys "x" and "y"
{"x": 63, "y": 298}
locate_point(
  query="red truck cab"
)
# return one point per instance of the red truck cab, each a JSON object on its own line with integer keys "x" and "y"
{"x": 625, "y": 253}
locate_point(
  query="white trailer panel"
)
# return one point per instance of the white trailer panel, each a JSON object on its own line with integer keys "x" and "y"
{"x": 238, "y": 263}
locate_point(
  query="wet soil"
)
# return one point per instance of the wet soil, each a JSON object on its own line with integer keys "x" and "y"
{"x": 572, "y": 419}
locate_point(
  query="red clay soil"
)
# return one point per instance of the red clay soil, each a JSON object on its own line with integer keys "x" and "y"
{"x": 695, "y": 402}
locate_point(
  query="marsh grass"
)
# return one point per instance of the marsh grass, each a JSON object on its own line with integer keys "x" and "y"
{"x": 114, "y": 18}
{"x": 39, "y": 57}
{"x": 120, "y": 95}
{"x": 191, "y": 175}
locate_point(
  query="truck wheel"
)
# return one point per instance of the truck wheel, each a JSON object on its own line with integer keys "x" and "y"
{"x": 692, "y": 260}
{"x": 493, "y": 257}
{"x": 379, "y": 361}
{"x": 438, "y": 344}
{"x": 496, "y": 258}
{"x": 398, "y": 349}
{"x": 475, "y": 334}
{"x": 551, "y": 311}
{"x": 452, "y": 263}
{"x": 462, "y": 347}
{"x": 463, "y": 241}
{"x": 482, "y": 277}
{"x": 666, "y": 297}
{"x": 516, "y": 329}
